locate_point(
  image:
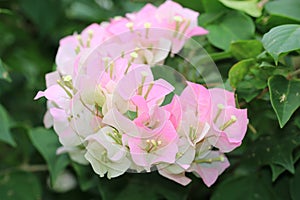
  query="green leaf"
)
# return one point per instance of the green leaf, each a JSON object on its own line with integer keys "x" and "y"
{"x": 44, "y": 14}
{"x": 244, "y": 187}
{"x": 208, "y": 18}
{"x": 6, "y": 11}
{"x": 171, "y": 76}
{"x": 281, "y": 188}
{"x": 192, "y": 4}
{"x": 5, "y": 134}
{"x": 211, "y": 6}
{"x": 20, "y": 185}
{"x": 141, "y": 186}
{"x": 131, "y": 115}
{"x": 285, "y": 97}
{"x": 277, "y": 151}
{"x": 3, "y": 72}
{"x": 250, "y": 7}
{"x": 282, "y": 39}
{"x": 46, "y": 142}
{"x": 276, "y": 171}
{"x": 239, "y": 71}
{"x": 283, "y": 8}
{"x": 294, "y": 184}
{"x": 86, "y": 177}
{"x": 91, "y": 11}
{"x": 224, "y": 31}
{"x": 244, "y": 49}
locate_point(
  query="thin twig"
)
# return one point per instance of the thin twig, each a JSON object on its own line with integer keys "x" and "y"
{"x": 294, "y": 73}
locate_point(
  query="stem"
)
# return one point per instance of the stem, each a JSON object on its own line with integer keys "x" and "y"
{"x": 64, "y": 88}
{"x": 251, "y": 127}
{"x": 211, "y": 160}
{"x": 6, "y": 11}
{"x": 26, "y": 168}
{"x": 221, "y": 56}
{"x": 266, "y": 90}
{"x": 242, "y": 104}
{"x": 33, "y": 168}
{"x": 294, "y": 73}
{"x": 89, "y": 109}
{"x": 262, "y": 3}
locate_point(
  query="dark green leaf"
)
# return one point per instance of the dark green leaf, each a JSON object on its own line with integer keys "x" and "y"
{"x": 192, "y": 4}
{"x": 20, "y": 186}
{"x": 281, "y": 188}
{"x": 46, "y": 142}
{"x": 207, "y": 18}
{"x": 225, "y": 30}
{"x": 44, "y": 14}
{"x": 276, "y": 151}
{"x": 285, "y": 97}
{"x": 294, "y": 184}
{"x": 244, "y": 49}
{"x": 239, "y": 71}
{"x": 297, "y": 121}
{"x": 211, "y": 6}
{"x": 141, "y": 186}
{"x": 86, "y": 177}
{"x": 244, "y": 187}
{"x": 88, "y": 11}
{"x": 276, "y": 171}
{"x": 171, "y": 76}
{"x": 5, "y": 134}
{"x": 247, "y": 92}
{"x": 282, "y": 39}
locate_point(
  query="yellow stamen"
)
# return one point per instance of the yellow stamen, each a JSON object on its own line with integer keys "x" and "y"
{"x": 130, "y": 26}
{"x": 232, "y": 120}
{"x": 221, "y": 158}
{"x": 133, "y": 56}
{"x": 117, "y": 18}
{"x": 140, "y": 89}
{"x": 67, "y": 80}
{"x": 147, "y": 26}
{"x": 185, "y": 29}
{"x": 77, "y": 50}
{"x": 220, "y": 108}
{"x": 79, "y": 38}
{"x": 148, "y": 90}
{"x": 90, "y": 36}
{"x": 178, "y": 18}
{"x": 178, "y": 21}
{"x": 61, "y": 84}
{"x": 152, "y": 145}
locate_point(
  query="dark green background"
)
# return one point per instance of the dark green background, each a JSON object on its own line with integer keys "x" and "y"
{"x": 265, "y": 167}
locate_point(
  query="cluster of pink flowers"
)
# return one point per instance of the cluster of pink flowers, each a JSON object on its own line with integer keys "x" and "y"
{"x": 108, "y": 110}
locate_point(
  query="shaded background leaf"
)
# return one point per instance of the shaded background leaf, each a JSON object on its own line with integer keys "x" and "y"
{"x": 20, "y": 185}
{"x": 5, "y": 134}
{"x": 46, "y": 142}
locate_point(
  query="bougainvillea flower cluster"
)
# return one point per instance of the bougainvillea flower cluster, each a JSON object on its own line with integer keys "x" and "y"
{"x": 108, "y": 110}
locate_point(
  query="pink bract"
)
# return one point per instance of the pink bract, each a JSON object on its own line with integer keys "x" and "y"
{"x": 110, "y": 110}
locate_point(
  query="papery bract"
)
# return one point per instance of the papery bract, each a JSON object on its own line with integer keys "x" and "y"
{"x": 109, "y": 110}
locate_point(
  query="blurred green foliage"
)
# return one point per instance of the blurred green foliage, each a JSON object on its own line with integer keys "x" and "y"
{"x": 262, "y": 67}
